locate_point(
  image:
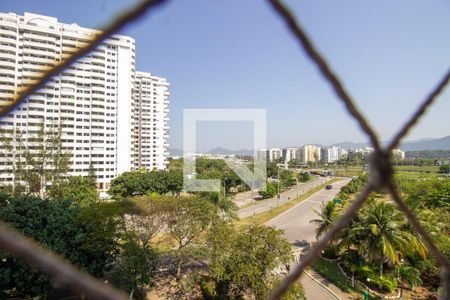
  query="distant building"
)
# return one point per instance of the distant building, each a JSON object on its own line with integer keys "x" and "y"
{"x": 310, "y": 153}
{"x": 399, "y": 154}
{"x": 333, "y": 153}
{"x": 290, "y": 154}
{"x": 270, "y": 154}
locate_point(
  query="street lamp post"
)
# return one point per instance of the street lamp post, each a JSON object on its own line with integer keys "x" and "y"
{"x": 278, "y": 187}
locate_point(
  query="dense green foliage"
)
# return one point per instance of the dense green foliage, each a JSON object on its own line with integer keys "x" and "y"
{"x": 135, "y": 269}
{"x": 141, "y": 183}
{"x": 431, "y": 154}
{"x": 80, "y": 190}
{"x": 55, "y": 225}
{"x": 304, "y": 176}
{"x": 381, "y": 245}
{"x": 288, "y": 178}
{"x": 242, "y": 263}
{"x": 270, "y": 191}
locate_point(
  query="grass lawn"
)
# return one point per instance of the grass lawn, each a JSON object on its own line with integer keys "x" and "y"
{"x": 424, "y": 169}
{"x": 266, "y": 216}
{"x": 330, "y": 271}
{"x": 415, "y": 175}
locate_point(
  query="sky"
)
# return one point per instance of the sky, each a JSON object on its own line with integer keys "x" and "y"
{"x": 239, "y": 54}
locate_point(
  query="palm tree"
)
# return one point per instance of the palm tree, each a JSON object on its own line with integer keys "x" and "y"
{"x": 382, "y": 234}
{"x": 327, "y": 215}
{"x": 409, "y": 275}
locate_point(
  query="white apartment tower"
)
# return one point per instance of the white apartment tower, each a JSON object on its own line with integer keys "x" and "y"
{"x": 150, "y": 122}
{"x": 94, "y": 101}
{"x": 310, "y": 153}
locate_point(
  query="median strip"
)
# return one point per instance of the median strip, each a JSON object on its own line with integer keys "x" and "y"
{"x": 268, "y": 215}
{"x": 255, "y": 202}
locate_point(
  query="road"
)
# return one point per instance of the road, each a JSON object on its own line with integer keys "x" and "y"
{"x": 286, "y": 196}
{"x": 300, "y": 233}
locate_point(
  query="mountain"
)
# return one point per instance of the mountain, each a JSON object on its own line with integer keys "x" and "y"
{"x": 224, "y": 151}
{"x": 416, "y": 145}
{"x": 348, "y": 145}
{"x": 175, "y": 152}
{"x": 427, "y": 144}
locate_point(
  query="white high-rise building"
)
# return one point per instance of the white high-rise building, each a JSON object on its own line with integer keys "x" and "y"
{"x": 330, "y": 154}
{"x": 310, "y": 153}
{"x": 150, "y": 122}
{"x": 289, "y": 154}
{"x": 93, "y": 100}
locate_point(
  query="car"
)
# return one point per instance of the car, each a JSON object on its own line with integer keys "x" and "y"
{"x": 329, "y": 187}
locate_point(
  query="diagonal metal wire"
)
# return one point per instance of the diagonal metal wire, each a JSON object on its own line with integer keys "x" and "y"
{"x": 381, "y": 168}
{"x": 322, "y": 243}
{"x": 419, "y": 112}
{"x": 325, "y": 70}
{"x": 64, "y": 272}
{"x": 54, "y": 265}
{"x": 16, "y": 243}
{"x": 442, "y": 260}
{"x": 416, "y": 225}
{"x": 130, "y": 16}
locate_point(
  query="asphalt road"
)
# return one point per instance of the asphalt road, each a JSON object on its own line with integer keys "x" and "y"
{"x": 300, "y": 232}
{"x": 286, "y": 196}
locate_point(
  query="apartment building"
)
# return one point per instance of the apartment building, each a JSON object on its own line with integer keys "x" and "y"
{"x": 333, "y": 153}
{"x": 94, "y": 101}
{"x": 150, "y": 124}
{"x": 289, "y": 154}
{"x": 271, "y": 154}
{"x": 310, "y": 153}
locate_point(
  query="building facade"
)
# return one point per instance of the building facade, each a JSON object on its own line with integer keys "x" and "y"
{"x": 289, "y": 154}
{"x": 93, "y": 102}
{"x": 310, "y": 153}
{"x": 150, "y": 124}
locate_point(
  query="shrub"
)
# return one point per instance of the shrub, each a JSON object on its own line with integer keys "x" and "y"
{"x": 387, "y": 283}
{"x": 331, "y": 251}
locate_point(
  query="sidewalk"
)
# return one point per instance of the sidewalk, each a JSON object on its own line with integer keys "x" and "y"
{"x": 342, "y": 295}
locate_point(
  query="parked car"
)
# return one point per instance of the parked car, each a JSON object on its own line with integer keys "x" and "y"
{"x": 329, "y": 187}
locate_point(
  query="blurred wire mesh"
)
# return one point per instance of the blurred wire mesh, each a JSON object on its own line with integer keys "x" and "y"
{"x": 380, "y": 177}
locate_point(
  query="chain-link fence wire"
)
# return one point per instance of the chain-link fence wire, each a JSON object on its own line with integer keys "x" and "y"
{"x": 380, "y": 176}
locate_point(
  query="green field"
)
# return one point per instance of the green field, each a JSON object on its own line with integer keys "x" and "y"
{"x": 418, "y": 169}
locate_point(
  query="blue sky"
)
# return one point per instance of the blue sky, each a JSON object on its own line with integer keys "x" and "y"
{"x": 238, "y": 54}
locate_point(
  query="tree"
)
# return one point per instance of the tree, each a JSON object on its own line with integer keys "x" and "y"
{"x": 91, "y": 173}
{"x": 381, "y": 234}
{"x": 79, "y": 190}
{"x": 11, "y": 145}
{"x": 304, "y": 176}
{"x": 287, "y": 178}
{"x": 142, "y": 182}
{"x": 135, "y": 269}
{"x": 188, "y": 219}
{"x": 45, "y": 161}
{"x": 54, "y": 224}
{"x": 147, "y": 218}
{"x": 271, "y": 169}
{"x": 270, "y": 191}
{"x": 129, "y": 184}
{"x": 327, "y": 215}
{"x": 174, "y": 181}
{"x": 242, "y": 267}
{"x": 409, "y": 275}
